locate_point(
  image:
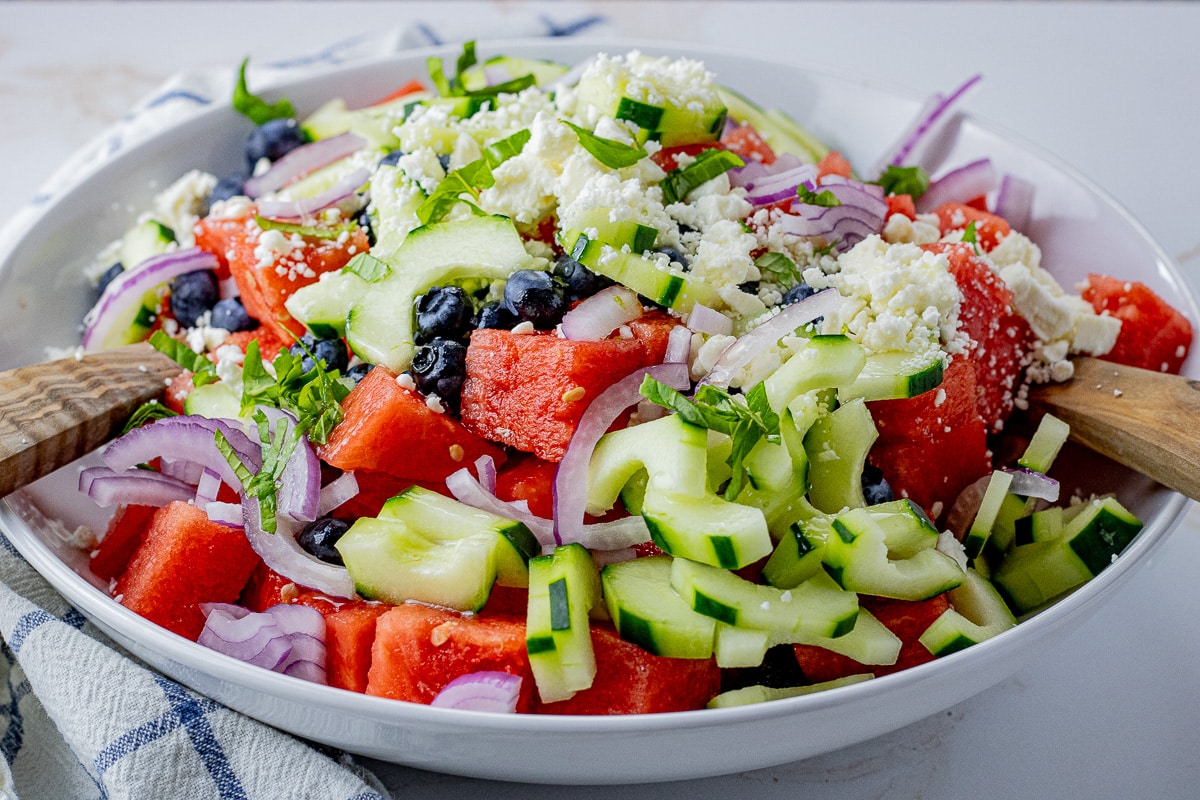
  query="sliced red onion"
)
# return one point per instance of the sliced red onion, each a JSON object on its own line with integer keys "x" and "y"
{"x": 485, "y": 466}
{"x": 305, "y": 628}
{"x": 928, "y": 121}
{"x": 344, "y": 189}
{"x": 207, "y": 487}
{"x": 570, "y": 481}
{"x": 766, "y": 335}
{"x": 780, "y": 186}
{"x": 127, "y": 290}
{"x": 867, "y": 196}
{"x": 706, "y": 320}
{"x": 467, "y": 489}
{"x": 496, "y": 692}
{"x": 186, "y": 471}
{"x": 188, "y": 438}
{"x": 679, "y": 345}
{"x": 648, "y": 411}
{"x": 108, "y": 487}
{"x": 228, "y": 514}
{"x": 959, "y": 185}
{"x": 602, "y": 558}
{"x": 1029, "y": 483}
{"x": 601, "y": 314}
{"x": 301, "y": 161}
{"x": 281, "y": 553}
{"x": 254, "y": 638}
{"x": 755, "y": 170}
{"x": 299, "y": 491}
{"x": 337, "y": 491}
{"x": 1014, "y": 201}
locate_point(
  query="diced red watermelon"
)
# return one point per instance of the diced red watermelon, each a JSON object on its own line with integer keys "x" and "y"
{"x": 989, "y": 228}
{"x": 906, "y": 618}
{"x": 901, "y": 204}
{"x": 531, "y": 479}
{"x": 748, "y": 143}
{"x": 125, "y": 532}
{"x": 177, "y": 391}
{"x": 1153, "y": 334}
{"x": 529, "y": 390}
{"x": 419, "y": 649}
{"x": 934, "y": 445}
{"x": 388, "y": 428}
{"x": 349, "y": 640}
{"x": 833, "y": 163}
{"x": 630, "y": 680}
{"x": 269, "y": 342}
{"x": 184, "y": 560}
{"x": 265, "y": 286}
{"x": 1001, "y": 338}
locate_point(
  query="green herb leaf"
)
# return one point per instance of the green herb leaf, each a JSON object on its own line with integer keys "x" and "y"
{"x": 825, "y": 199}
{"x": 466, "y": 60}
{"x": 708, "y": 165}
{"x": 203, "y": 371}
{"x": 608, "y": 152}
{"x": 904, "y": 180}
{"x": 368, "y": 267}
{"x": 499, "y": 152}
{"x": 255, "y": 108}
{"x": 507, "y": 87}
{"x": 970, "y": 236}
{"x": 469, "y": 179}
{"x": 146, "y": 413}
{"x": 310, "y": 231}
{"x": 780, "y": 267}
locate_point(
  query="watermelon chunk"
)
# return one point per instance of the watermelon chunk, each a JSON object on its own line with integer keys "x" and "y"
{"x": 1153, "y": 334}
{"x": 419, "y": 649}
{"x": 989, "y": 228}
{"x": 934, "y": 445}
{"x": 125, "y": 532}
{"x": 907, "y": 619}
{"x": 349, "y": 640}
{"x": 184, "y": 560}
{"x": 630, "y": 680}
{"x": 531, "y": 479}
{"x": 529, "y": 390}
{"x": 388, "y": 428}
{"x": 1000, "y": 337}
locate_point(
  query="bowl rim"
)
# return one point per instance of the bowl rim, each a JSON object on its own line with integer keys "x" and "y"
{"x": 107, "y": 613}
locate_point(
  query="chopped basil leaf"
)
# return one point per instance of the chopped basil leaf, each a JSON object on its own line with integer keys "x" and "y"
{"x": 203, "y": 371}
{"x": 825, "y": 199}
{"x": 508, "y": 87}
{"x": 608, "y": 152}
{"x": 708, "y": 165}
{"x": 453, "y": 87}
{"x": 368, "y": 267}
{"x": 497, "y": 153}
{"x": 314, "y": 397}
{"x": 469, "y": 179}
{"x": 146, "y": 413}
{"x": 255, "y": 108}
{"x": 310, "y": 231}
{"x": 466, "y": 60}
{"x": 779, "y": 267}
{"x": 970, "y": 236}
{"x": 904, "y": 180}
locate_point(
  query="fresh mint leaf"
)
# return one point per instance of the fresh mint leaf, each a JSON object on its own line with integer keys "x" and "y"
{"x": 608, "y": 152}
{"x": 809, "y": 196}
{"x": 146, "y": 413}
{"x": 780, "y": 267}
{"x": 254, "y": 107}
{"x": 368, "y": 267}
{"x": 708, "y": 165}
{"x": 203, "y": 371}
{"x": 970, "y": 236}
{"x": 469, "y": 179}
{"x": 904, "y": 180}
{"x": 507, "y": 87}
{"x": 499, "y": 152}
{"x": 466, "y": 60}
{"x": 437, "y": 76}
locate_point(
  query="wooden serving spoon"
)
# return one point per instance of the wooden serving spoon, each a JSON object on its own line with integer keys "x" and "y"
{"x": 53, "y": 413}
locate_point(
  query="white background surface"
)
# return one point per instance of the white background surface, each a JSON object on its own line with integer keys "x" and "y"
{"x": 1113, "y": 711}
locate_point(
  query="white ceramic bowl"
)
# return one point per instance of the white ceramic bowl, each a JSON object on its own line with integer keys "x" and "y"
{"x": 42, "y": 297}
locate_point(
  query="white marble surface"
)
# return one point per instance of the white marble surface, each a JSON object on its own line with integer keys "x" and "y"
{"x": 1113, "y": 710}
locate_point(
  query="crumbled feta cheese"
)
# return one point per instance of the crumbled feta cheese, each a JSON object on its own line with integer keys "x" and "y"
{"x": 179, "y": 206}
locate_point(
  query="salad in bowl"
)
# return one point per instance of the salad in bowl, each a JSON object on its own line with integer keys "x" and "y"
{"x": 597, "y": 389}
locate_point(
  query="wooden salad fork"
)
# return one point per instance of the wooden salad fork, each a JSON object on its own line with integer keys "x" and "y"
{"x": 53, "y": 413}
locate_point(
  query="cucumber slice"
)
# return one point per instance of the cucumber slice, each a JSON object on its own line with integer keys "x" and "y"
{"x": 870, "y": 643}
{"x": 213, "y": 400}
{"x": 324, "y": 306}
{"x": 985, "y": 518}
{"x": 1048, "y": 439}
{"x": 782, "y": 133}
{"x": 760, "y": 694}
{"x": 563, "y": 587}
{"x": 388, "y": 560}
{"x": 837, "y": 446}
{"x": 977, "y": 613}
{"x": 145, "y": 239}
{"x": 671, "y": 123}
{"x": 799, "y": 554}
{"x": 740, "y": 647}
{"x": 373, "y": 123}
{"x": 508, "y": 68}
{"x": 1040, "y": 526}
{"x": 825, "y": 362}
{"x": 670, "y": 452}
{"x": 892, "y": 376}
{"x": 648, "y": 612}
{"x": 670, "y": 288}
{"x": 858, "y": 558}
{"x": 707, "y": 529}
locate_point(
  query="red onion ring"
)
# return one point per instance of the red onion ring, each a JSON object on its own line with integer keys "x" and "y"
{"x": 1014, "y": 201}
{"x": 706, "y": 320}
{"x": 496, "y": 692}
{"x": 779, "y": 186}
{"x": 741, "y": 176}
{"x": 570, "y": 481}
{"x": 601, "y": 314}
{"x": 928, "y": 121}
{"x": 286, "y": 638}
{"x": 959, "y": 185}
{"x": 228, "y": 514}
{"x": 337, "y": 491}
{"x": 485, "y": 466}
{"x": 1030, "y": 483}
{"x": 467, "y": 489}
{"x": 785, "y": 323}
{"x": 128, "y": 289}
{"x": 107, "y": 487}
{"x": 301, "y": 161}
{"x": 207, "y": 487}
{"x": 189, "y": 438}
{"x": 281, "y": 553}
{"x": 345, "y": 188}
{"x": 679, "y": 345}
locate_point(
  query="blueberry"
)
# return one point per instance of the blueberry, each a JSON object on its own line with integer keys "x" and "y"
{"x": 391, "y": 159}
{"x": 273, "y": 140}
{"x": 444, "y": 160}
{"x": 533, "y": 296}
{"x": 359, "y": 371}
{"x": 331, "y": 351}
{"x": 227, "y": 187}
{"x": 779, "y": 670}
{"x": 109, "y": 276}
{"x": 319, "y": 537}
{"x": 440, "y": 368}
{"x": 579, "y": 281}
{"x": 676, "y": 256}
{"x": 495, "y": 315}
{"x": 876, "y": 489}
{"x": 231, "y": 315}
{"x": 797, "y": 293}
{"x": 365, "y": 222}
{"x": 444, "y": 312}
{"x": 193, "y": 293}
{"x": 749, "y": 287}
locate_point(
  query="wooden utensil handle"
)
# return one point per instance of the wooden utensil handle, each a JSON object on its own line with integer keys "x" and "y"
{"x": 53, "y": 413}
{"x": 1148, "y": 421}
